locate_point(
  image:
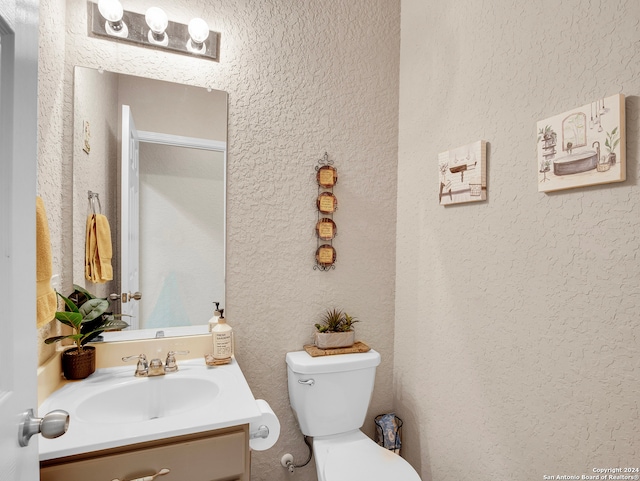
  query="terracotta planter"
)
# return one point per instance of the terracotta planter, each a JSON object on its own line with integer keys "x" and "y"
{"x": 77, "y": 365}
{"x": 332, "y": 340}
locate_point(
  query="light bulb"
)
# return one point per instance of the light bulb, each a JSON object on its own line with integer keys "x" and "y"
{"x": 112, "y": 12}
{"x": 198, "y": 30}
{"x": 198, "y": 33}
{"x": 158, "y": 22}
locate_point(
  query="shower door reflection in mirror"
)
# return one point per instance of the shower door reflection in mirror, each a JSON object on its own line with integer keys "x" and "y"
{"x": 182, "y": 192}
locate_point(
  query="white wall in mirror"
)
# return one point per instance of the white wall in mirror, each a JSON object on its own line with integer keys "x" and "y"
{"x": 182, "y": 191}
{"x": 181, "y": 229}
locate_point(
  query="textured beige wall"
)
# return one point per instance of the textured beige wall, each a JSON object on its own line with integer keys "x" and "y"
{"x": 516, "y": 336}
{"x": 95, "y": 170}
{"x": 54, "y": 145}
{"x": 303, "y": 78}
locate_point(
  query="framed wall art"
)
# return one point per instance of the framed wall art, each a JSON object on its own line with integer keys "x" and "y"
{"x": 583, "y": 146}
{"x": 463, "y": 174}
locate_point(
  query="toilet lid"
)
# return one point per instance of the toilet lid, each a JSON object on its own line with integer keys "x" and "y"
{"x": 366, "y": 460}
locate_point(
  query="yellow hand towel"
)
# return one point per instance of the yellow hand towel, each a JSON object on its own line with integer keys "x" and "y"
{"x": 104, "y": 248}
{"x": 46, "y": 301}
{"x": 90, "y": 249}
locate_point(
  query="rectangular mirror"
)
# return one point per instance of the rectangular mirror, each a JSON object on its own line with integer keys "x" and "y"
{"x": 167, "y": 219}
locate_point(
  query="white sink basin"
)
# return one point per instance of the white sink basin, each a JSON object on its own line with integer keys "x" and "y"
{"x": 144, "y": 399}
{"x": 113, "y": 408}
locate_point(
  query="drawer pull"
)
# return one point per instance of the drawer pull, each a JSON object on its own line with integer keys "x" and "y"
{"x": 148, "y": 478}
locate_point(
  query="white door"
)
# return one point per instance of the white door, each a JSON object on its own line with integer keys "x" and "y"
{"x": 129, "y": 218}
{"x": 18, "y": 160}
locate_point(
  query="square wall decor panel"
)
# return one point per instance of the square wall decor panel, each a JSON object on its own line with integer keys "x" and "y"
{"x": 463, "y": 174}
{"x": 583, "y": 146}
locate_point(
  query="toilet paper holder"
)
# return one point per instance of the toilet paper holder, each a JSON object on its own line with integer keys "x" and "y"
{"x": 262, "y": 432}
{"x": 265, "y": 430}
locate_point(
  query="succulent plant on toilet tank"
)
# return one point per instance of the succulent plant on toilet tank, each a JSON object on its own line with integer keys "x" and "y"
{"x": 336, "y": 330}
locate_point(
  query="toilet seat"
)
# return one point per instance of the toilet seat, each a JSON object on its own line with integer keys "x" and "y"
{"x": 354, "y": 456}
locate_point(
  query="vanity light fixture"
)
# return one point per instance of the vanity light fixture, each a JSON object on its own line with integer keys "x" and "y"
{"x": 108, "y": 20}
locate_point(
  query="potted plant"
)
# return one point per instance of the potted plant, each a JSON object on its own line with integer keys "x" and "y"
{"x": 611, "y": 143}
{"x": 336, "y": 330}
{"x": 86, "y": 322}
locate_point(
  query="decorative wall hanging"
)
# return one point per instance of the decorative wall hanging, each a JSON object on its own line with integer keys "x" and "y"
{"x": 326, "y": 204}
{"x": 463, "y": 174}
{"x": 584, "y": 146}
{"x": 326, "y": 229}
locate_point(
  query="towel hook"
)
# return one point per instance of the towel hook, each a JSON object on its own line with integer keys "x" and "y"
{"x": 93, "y": 197}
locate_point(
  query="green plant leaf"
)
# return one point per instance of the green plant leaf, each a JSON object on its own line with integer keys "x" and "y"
{"x": 93, "y": 308}
{"x": 70, "y": 304}
{"x": 71, "y": 319}
{"x": 113, "y": 325}
{"x": 51, "y": 340}
{"x": 84, "y": 291}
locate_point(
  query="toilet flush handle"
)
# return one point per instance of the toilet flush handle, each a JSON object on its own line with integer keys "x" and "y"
{"x": 306, "y": 382}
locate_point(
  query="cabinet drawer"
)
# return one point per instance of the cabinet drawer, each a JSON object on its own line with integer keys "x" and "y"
{"x": 221, "y": 457}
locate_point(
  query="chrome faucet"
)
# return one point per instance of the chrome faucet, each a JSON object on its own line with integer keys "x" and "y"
{"x": 170, "y": 365}
{"x": 142, "y": 368}
{"x": 155, "y": 366}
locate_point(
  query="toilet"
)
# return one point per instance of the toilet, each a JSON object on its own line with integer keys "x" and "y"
{"x": 329, "y": 396}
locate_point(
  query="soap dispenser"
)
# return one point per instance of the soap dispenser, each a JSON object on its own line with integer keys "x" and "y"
{"x": 213, "y": 322}
{"x": 222, "y": 334}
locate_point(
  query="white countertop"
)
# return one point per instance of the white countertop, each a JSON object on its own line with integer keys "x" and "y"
{"x": 233, "y": 405}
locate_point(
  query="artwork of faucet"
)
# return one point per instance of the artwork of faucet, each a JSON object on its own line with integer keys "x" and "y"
{"x": 597, "y": 150}
{"x": 600, "y": 110}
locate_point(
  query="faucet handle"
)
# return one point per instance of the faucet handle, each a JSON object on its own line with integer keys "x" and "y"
{"x": 170, "y": 364}
{"x": 142, "y": 368}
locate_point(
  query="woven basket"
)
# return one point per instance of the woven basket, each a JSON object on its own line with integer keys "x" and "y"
{"x": 77, "y": 365}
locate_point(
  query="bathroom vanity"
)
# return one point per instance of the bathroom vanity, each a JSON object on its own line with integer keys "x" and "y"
{"x": 222, "y": 454}
{"x": 191, "y": 424}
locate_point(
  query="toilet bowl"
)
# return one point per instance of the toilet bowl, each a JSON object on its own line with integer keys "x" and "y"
{"x": 329, "y": 396}
{"x": 354, "y": 456}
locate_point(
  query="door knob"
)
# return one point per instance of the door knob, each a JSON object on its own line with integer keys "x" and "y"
{"x": 136, "y": 296}
{"x": 126, "y": 296}
{"x": 52, "y": 425}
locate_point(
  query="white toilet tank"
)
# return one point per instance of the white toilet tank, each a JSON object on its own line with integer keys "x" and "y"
{"x": 330, "y": 394}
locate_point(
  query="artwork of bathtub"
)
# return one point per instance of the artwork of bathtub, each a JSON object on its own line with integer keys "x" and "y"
{"x": 584, "y": 146}
{"x": 576, "y": 163}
